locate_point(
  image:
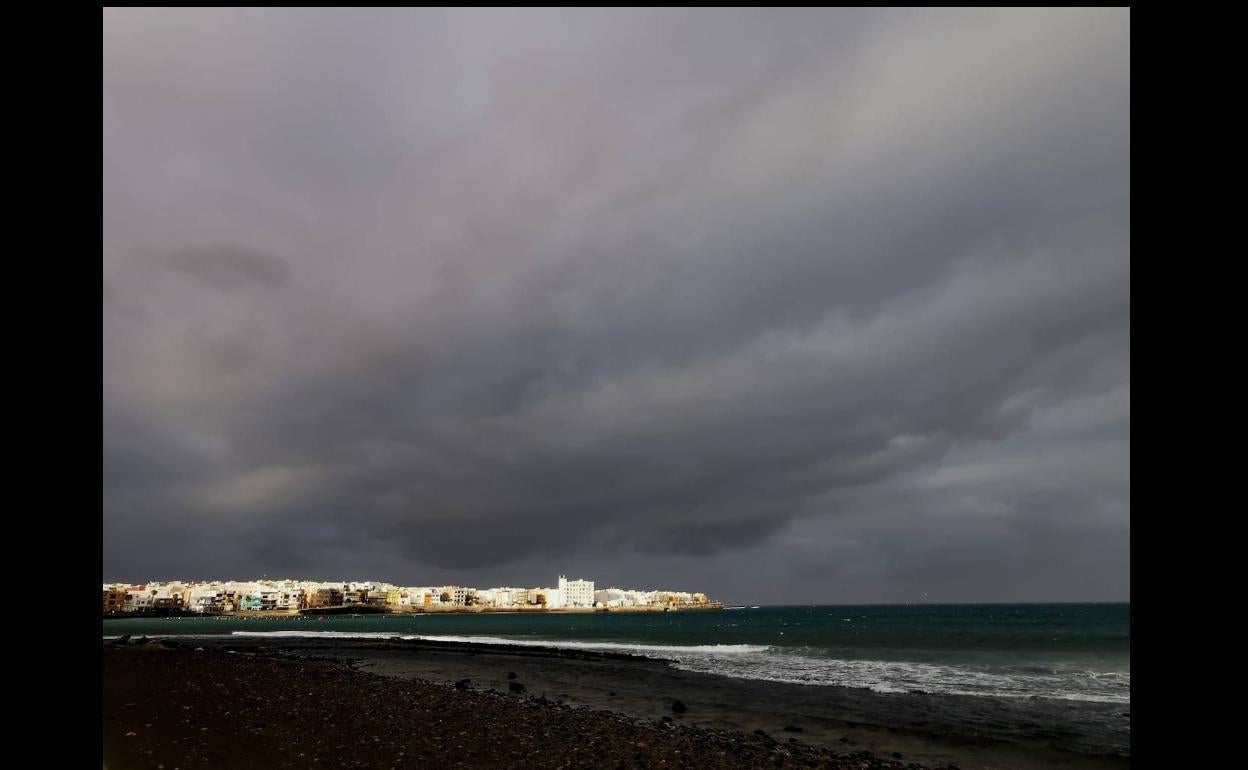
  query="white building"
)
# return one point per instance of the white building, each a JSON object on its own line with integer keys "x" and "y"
{"x": 611, "y": 597}
{"x": 505, "y": 596}
{"x": 138, "y": 600}
{"x": 205, "y": 598}
{"x": 576, "y": 593}
{"x": 458, "y": 595}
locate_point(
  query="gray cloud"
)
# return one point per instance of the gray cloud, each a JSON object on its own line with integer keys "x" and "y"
{"x": 636, "y": 290}
{"x": 229, "y": 267}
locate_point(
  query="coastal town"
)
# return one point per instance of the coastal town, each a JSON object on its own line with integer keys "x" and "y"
{"x": 291, "y": 597}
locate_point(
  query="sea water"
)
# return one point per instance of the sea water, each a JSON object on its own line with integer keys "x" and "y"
{"x": 1075, "y": 652}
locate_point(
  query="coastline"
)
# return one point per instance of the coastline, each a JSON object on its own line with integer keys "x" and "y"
{"x": 929, "y": 730}
{"x": 171, "y": 707}
{"x": 400, "y": 612}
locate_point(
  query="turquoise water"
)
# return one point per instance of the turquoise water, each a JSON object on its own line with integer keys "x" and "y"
{"x": 1063, "y": 651}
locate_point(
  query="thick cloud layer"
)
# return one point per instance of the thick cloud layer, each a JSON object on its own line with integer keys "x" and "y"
{"x": 808, "y": 305}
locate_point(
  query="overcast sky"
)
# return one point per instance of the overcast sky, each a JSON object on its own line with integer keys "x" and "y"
{"x": 784, "y": 305}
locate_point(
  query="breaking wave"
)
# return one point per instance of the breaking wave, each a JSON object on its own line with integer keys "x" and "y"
{"x": 778, "y": 664}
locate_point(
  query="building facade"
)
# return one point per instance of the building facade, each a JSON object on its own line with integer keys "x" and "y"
{"x": 576, "y": 593}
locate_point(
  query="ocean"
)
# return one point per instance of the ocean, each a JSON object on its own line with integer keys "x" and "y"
{"x": 1070, "y": 652}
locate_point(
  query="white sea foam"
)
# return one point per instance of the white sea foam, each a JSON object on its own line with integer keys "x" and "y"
{"x": 798, "y": 666}
{"x": 906, "y": 676}
{"x": 325, "y": 634}
{"x": 654, "y": 650}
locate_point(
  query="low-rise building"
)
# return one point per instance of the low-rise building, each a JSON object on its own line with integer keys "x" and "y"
{"x": 167, "y": 603}
{"x": 114, "y": 600}
{"x": 325, "y": 597}
{"x": 286, "y": 595}
{"x": 456, "y": 596}
{"x": 138, "y": 599}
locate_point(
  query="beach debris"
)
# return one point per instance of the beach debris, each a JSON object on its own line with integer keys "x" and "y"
{"x": 792, "y": 729}
{"x": 515, "y": 687}
{"x": 679, "y": 707}
{"x": 462, "y": 684}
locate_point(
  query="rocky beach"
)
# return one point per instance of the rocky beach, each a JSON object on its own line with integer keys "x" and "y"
{"x": 242, "y": 703}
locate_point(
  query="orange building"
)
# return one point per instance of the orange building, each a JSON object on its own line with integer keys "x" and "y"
{"x": 114, "y": 600}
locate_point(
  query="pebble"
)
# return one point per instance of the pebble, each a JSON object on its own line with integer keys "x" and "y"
{"x": 355, "y": 719}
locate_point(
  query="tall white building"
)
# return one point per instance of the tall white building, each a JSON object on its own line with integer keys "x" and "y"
{"x": 576, "y": 593}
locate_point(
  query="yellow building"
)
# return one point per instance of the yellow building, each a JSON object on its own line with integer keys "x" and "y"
{"x": 114, "y": 599}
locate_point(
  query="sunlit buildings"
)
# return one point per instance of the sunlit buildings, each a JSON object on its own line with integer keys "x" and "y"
{"x": 576, "y": 593}
{"x": 291, "y": 596}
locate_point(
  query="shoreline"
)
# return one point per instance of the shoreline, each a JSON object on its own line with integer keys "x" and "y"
{"x": 178, "y": 707}
{"x": 934, "y": 730}
{"x": 386, "y": 611}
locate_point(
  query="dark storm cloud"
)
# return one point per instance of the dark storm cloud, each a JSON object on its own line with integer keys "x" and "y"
{"x": 511, "y": 290}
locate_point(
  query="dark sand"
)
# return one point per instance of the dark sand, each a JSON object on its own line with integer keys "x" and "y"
{"x": 356, "y": 703}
